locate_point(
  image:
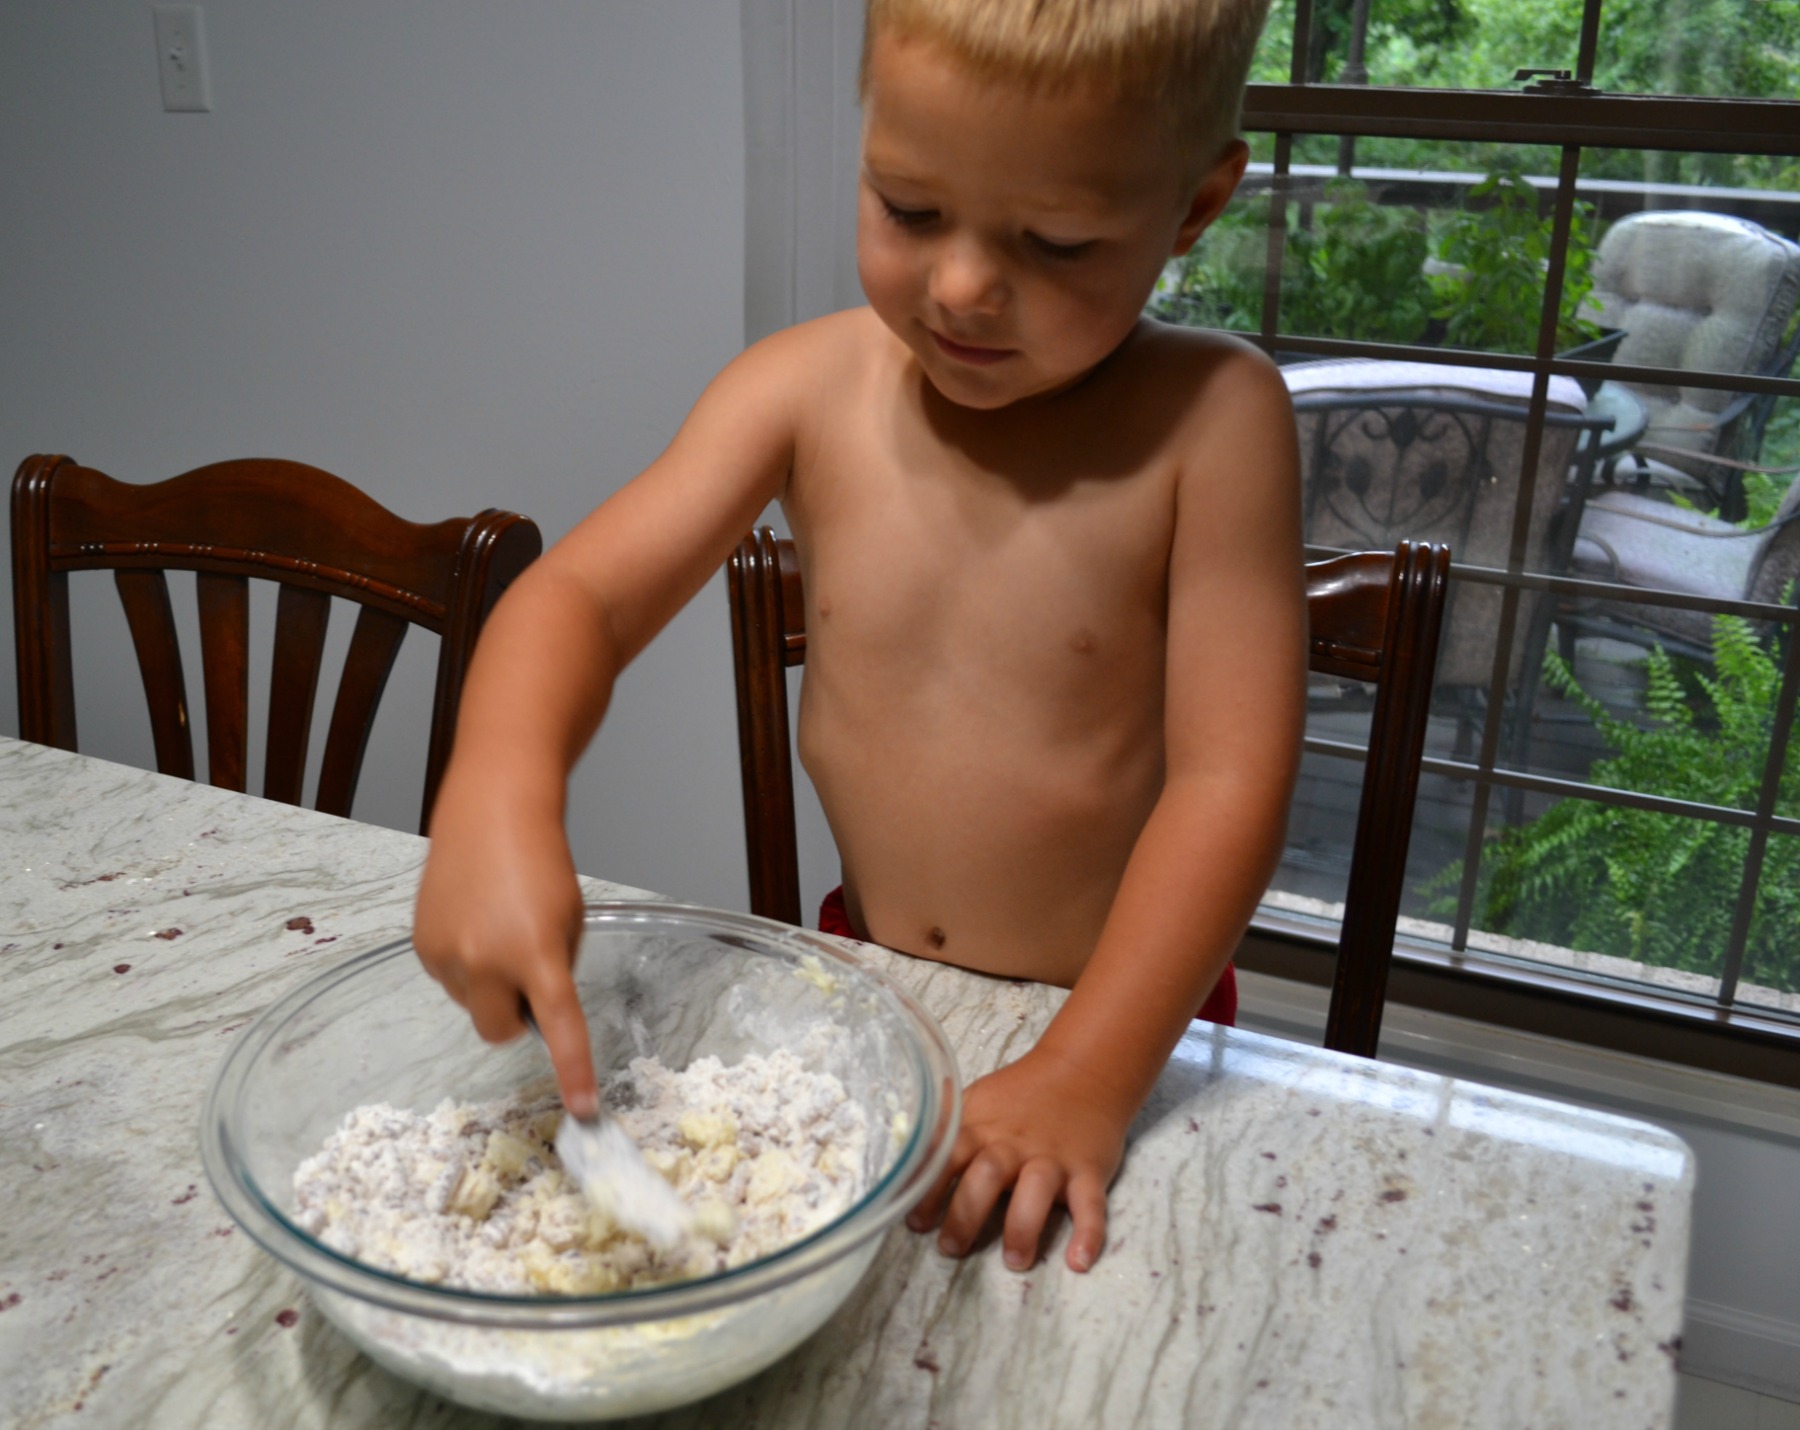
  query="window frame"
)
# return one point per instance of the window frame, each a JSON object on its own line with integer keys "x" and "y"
{"x": 1566, "y": 114}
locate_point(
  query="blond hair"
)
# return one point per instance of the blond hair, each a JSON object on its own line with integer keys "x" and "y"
{"x": 1189, "y": 57}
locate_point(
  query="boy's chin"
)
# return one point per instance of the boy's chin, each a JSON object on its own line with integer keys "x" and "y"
{"x": 995, "y": 391}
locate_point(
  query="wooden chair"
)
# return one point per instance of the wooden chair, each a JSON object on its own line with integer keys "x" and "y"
{"x": 1375, "y": 618}
{"x": 313, "y": 534}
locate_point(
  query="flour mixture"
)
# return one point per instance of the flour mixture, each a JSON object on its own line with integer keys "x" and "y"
{"x": 473, "y": 1196}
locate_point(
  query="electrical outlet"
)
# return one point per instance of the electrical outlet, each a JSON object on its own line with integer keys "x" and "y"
{"x": 181, "y": 58}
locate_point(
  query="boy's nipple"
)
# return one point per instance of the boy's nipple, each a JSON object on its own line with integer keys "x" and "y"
{"x": 1082, "y": 642}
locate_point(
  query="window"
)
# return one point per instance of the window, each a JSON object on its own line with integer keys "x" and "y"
{"x": 1607, "y": 249}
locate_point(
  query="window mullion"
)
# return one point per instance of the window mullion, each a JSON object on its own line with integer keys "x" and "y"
{"x": 1303, "y": 14}
{"x": 1277, "y": 242}
{"x": 1589, "y": 45}
{"x": 1765, "y": 813}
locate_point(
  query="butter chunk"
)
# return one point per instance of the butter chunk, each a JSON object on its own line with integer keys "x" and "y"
{"x": 476, "y": 1192}
{"x": 507, "y": 1155}
{"x": 707, "y": 1129}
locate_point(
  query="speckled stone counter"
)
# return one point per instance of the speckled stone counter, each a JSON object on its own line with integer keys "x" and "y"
{"x": 1298, "y": 1239}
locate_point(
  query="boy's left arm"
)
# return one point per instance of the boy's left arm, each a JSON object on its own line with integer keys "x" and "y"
{"x": 1051, "y": 1126}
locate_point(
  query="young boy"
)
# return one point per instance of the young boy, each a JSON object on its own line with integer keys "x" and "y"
{"x": 1056, "y": 625}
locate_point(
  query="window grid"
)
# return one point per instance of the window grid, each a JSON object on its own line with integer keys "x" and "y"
{"x": 1570, "y": 120}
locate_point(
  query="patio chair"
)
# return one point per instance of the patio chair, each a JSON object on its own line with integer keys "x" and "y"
{"x": 314, "y": 535}
{"x": 1374, "y": 618}
{"x": 1637, "y": 540}
{"x": 1703, "y": 292}
{"x": 1430, "y": 452}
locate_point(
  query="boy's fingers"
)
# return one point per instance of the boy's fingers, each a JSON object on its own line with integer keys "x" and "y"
{"x": 983, "y": 1183}
{"x": 1087, "y": 1209}
{"x": 493, "y": 1006}
{"x": 559, "y": 1018}
{"x": 1034, "y": 1194}
{"x": 925, "y": 1215}
{"x": 931, "y": 1206}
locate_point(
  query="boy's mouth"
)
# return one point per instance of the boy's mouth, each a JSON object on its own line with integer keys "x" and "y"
{"x": 966, "y": 352}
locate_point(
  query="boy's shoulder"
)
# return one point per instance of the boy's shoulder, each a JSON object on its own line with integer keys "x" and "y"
{"x": 852, "y": 335}
{"x": 1203, "y": 381}
{"x": 1203, "y": 357}
{"x": 793, "y": 371}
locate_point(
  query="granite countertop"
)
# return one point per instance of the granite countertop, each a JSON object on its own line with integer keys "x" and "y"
{"x": 1297, "y": 1238}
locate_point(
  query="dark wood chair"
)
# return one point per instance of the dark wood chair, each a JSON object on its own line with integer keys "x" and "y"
{"x": 313, "y": 534}
{"x": 1375, "y": 618}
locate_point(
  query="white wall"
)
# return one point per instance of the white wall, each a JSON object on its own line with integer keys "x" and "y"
{"x": 461, "y": 252}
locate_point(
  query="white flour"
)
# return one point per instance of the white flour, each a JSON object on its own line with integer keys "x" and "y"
{"x": 764, "y": 1151}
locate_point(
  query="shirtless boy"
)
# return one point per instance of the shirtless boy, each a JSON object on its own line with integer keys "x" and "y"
{"x": 1056, "y": 626}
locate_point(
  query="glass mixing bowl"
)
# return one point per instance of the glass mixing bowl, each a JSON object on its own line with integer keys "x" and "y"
{"x": 654, "y": 978}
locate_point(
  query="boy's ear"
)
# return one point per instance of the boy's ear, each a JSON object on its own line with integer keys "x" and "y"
{"x": 1214, "y": 193}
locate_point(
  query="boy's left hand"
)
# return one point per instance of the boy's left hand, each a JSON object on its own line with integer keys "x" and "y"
{"x": 1042, "y": 1129}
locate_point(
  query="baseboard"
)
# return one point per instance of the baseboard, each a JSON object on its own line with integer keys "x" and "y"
{"x": 1741, "y": 1348}
{"x": 1531, "y": 1062}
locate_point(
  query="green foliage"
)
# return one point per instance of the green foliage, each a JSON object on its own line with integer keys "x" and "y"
{"x": 1701, "y": 47}
{"x": 1742, "y": 48}
{"x": 1428, "y": 24}
{"x": 1497, "y": 249}
{"x": 1360, "y": 271}
{"x": 1356, "y": 274}
{"x": 1763, "y": 496}
{"x": 1659, "y": 888}
{"x": 1219, "y": 282}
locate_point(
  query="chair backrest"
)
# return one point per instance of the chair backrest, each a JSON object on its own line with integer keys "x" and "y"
{"x": 307, "y": 530}
{"x": 1375, "y": 617}
{"x": 1425, "y": 452}
{"x": 1700, "y": 291}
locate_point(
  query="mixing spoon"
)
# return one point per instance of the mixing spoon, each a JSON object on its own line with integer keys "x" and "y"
{"x": 610, "y": 1168}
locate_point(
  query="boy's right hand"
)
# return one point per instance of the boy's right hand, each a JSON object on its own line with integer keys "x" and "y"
{"x": 497, "y": 920}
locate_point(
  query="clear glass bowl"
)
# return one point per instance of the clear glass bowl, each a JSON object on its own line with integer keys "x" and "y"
{"x": 654, "y": 978}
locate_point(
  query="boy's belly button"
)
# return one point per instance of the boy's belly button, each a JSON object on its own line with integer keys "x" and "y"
{"x": 935, "y": 937}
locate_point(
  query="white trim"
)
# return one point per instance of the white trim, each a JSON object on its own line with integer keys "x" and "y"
{"x": 802, "y": 135}
{"x": 1759, "y": 1353}
{"x": 1532, "y": 1062}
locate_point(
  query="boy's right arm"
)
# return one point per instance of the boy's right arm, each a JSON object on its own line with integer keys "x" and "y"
{"x": 499, "y": 909}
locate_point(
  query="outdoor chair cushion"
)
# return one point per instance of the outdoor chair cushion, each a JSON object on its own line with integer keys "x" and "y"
{"x": 1644, "y": 541}
{"x": 1699, "y": 291}
{"x": 1375, "y": 374}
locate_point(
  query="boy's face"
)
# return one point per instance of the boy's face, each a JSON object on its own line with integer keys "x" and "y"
{"x": 1009, "y": 238}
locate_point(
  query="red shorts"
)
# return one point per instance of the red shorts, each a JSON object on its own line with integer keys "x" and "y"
{"x": 1220, "y": 1005}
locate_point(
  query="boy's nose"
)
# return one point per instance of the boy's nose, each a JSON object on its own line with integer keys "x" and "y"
{"x": 966, "y": 279}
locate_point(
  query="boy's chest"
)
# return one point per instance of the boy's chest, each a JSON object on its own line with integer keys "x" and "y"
{"x": 1037, "y": 558}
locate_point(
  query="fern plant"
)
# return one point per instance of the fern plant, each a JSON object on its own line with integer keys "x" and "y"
{"x": 1659, "y": 888}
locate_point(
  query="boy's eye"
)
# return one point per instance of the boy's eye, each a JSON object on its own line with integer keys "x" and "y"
{"x": 908, "y": 218}
{"x": 1061, "y": 252}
